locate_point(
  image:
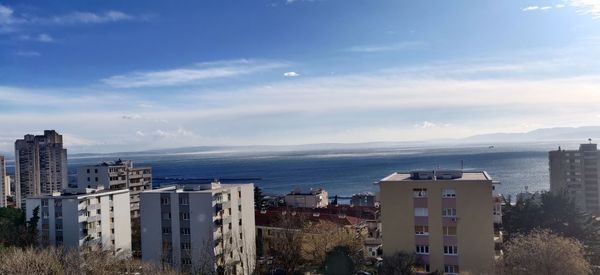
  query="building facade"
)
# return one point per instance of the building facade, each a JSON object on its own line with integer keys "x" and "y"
{"x": 40, "y": 166}
{"x": 4, "y": 183}
{"x": 364, "y": 199}
{"x": 575, "y": 173}
{"x": 445, "y": 217}
{"x": 315, "y": 198}
{"x": 89, "y": 218}
{"x": 200, "y": 228}
{"x": 120, "y": 174}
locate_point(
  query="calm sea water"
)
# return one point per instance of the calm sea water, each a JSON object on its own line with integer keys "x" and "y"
{"x": 348, "y": 171}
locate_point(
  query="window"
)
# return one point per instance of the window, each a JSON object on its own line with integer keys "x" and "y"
{"x": 88, "y": 171}
{"x": 450, "y": 250}
{"x": 166, "y": 230}
{"x": 448, "y": 193}
{"x": 420, "y": 193}
{"x": 164, "y": 201}
{"x": 449, "y": 212}
{"x": 44, "y": 202}
{"x": 240, "y": 223}
{"x": 185, "y": 215}
{"x": 185, "y": 231}
{"x": 184, "y": 200}
{"x": 96, "y": 179}
{"x": 229, "y": 197}
{"x": 451, "y": 269}
{"x": 449, "y": 230}
{"x": 186, "y": 261}
{"x": 421, "y": 212}
{"x": 110, "y": 197}
{"x": 240, "y": 208}
{"x": 422, "y": 249}
{"x": 88, "y": 179}
{"x": 239, "y": 194}
{"x": 96, "y": 171}
{"x": 185, "y": 246}
{"x": 421, "y": 230}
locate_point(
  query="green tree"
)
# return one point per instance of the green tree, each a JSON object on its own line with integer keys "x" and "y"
{"x": 258, "y": 198}
{"x": 338, "y": 261}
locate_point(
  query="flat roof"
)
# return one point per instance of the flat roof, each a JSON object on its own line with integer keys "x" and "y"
{"x": 466, "y": 175}
{"x": 195, "y": 188}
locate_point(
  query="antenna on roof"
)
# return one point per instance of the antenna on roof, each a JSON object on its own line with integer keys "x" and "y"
{"x": 590, "y": 140}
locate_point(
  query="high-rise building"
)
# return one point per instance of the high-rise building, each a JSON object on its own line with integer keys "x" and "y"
{"x": 445, "y": 217}
{"x": 200, "y": 227}
{"x": 575, "y": 173}
{"x": 4, "y": 183}
{"x": 120, "y": 174}
{"x": 40, "y": 166}
{"x": 91, "y": 218}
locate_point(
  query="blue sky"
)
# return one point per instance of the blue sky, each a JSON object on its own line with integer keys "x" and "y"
{"x": 134, "y": 75}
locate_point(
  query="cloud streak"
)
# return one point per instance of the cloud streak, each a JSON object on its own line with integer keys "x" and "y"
{"x": 400, "y": 46}
{"x": 192, "y": 74}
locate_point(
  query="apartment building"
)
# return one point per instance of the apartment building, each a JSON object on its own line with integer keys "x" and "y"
{"x": 575, "y": 173}
{"x": 445, "y": 217}
{"x": 315, "y": 198}
{"x": 200, "y": 228}
{"x": 90, "y": 218}
{"x": 120, "y": 174}
{"x": 364, "y": 199}
{"x": 4, "y": 183}
{"x": 40, "y": 166}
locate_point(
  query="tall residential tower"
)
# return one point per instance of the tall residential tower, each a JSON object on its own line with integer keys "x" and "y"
{"x": 40, "y": 166}
{"x": 575, "y": 173}
{"x": 4, "y": 183}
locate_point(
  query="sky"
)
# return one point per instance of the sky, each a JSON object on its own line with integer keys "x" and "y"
{"x": 137, "y": 75}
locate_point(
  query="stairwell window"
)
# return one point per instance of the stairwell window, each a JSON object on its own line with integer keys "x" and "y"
{"x": 449, "y": 212}
{"x": 421, "y": 230}
{"x": 450, "y": 250}
{"x": 450, "y": 269}
{"x": 420, "y": 193}
{"x": 448, "y": 193}
{"x": 421, "y": 212}
{"x": 422, "y": 249}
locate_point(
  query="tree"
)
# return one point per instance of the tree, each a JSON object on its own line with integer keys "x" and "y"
{"x": 557, "y": 213}
{"x": 12, "y": 222}
{"x": 258, "y": 198}
{"x": 543, "y": 252}
{"x": 30, "y": 234}
{"x": 400, "y": 263}
{"x": 285, "y": 243}
{"x": 322, "y": 237}
{"x": 338, "y": 261}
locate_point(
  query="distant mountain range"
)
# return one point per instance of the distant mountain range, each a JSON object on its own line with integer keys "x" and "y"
{"x": 541, "y": 135}
{"x": 572, "y": 134}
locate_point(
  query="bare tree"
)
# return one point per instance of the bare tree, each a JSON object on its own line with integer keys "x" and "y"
{"x": 543, "y": 252}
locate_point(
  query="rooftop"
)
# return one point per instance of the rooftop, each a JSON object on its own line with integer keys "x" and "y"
{"x": 445, "y": 175}
{"x": 196, "y": 188}
{"x": 80, "y": 193}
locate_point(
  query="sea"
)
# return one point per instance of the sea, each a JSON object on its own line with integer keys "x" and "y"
{"x": 343, "y": 172}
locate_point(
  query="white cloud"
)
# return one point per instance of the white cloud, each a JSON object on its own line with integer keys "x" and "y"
{"x": 140, "y": 133}
{"x": 400, "y": 46}
{"x": 558, "y": 6}
{"x": 87, "y": 18}
{"x": 131, "y": 117}
{"x": 425, "y": 125}
{"x": 531, "y": 8}
{"x": 192, "y": 74}
{"x": 589, "y": 7}
{"x": 291, "y": 74}
{"x": 28, "y": 53}
{"x": 43, "y": 37}
{"x": 545, "y": 8}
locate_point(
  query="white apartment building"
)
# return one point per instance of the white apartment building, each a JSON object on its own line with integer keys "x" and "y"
{"x": 315, "y": 198}
{"x": 200, "y": 228}
{"x": 86, "y": 218}
{"x": 120, "y": 174}
{"x": 40, "y": 166}
{"x": 576, "y": 173}
{"x": 4, "y": 183}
